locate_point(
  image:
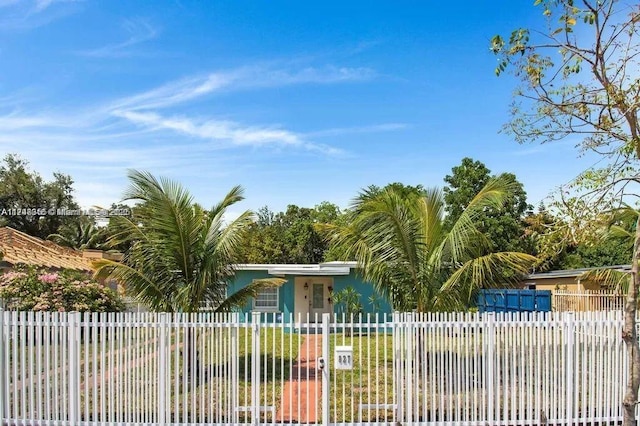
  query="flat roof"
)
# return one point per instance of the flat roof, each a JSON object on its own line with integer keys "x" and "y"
{"x": 327, "y": 268}
{"x": 569, "y": 273}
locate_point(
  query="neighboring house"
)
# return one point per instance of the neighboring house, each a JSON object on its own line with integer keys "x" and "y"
{"x": 309, "y": 289}
{"x": 18, "y": 248}
{"x": 567, "y": 279}
{"x": 571, "y": 292}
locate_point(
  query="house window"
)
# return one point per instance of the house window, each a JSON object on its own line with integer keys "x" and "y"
{"x": 266, "y": 300}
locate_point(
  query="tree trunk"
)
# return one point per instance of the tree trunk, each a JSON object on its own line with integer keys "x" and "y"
{"x": 630, "y": 336}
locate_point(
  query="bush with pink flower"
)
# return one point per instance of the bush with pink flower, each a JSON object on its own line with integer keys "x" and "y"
{"x": 32, "y": 289}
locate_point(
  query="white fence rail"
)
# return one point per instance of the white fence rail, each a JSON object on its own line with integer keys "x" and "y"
{"x": 472, "y": 369}
{"x": 587, "y": 300}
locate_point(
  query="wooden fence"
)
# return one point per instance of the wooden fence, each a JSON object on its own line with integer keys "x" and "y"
{"x": 587, "y": 300}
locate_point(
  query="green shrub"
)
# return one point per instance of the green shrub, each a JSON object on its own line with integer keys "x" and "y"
{"x": 32, "y": 289}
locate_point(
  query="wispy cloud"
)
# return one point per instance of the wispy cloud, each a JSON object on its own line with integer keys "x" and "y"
{"x": 244, "y": 78}
{"x": 151, "y": 130}
{"x": 138, "y": 31}
{"x": 30, "y": 14}
{"x": 374, "y": 128}
{"x": 174, "y": 93}
{"x": 41, "y": 5}
{"x": 139, "y": 115}
{"x": 328, "y": 74}
{"x": 224, "y": 131}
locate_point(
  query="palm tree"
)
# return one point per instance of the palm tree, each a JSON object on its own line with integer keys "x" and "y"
{"x": 81, "y": 234}
{"x": 406, "y": 252}
{"x": 181, "y": 254}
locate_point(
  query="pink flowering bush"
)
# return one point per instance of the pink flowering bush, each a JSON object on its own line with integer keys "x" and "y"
{"x": 31, "y": 289}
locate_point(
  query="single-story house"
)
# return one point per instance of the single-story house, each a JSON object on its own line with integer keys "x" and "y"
{"x": 567, "y": 279}
{"x": 308, "y": 290}
{"x": 571, "y": 291}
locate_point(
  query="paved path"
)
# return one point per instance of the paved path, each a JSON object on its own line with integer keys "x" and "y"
{"x": 301, "y": 394}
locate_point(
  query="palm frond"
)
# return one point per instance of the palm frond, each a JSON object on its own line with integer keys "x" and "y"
{"x": 611, "y": 278}
{"x": 491, "y": 270}
{"x": 143, "y": 287}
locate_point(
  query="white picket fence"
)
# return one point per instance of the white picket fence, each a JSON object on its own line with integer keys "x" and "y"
{"x": 587, "y": 300}
{"x": 472, "y": 369}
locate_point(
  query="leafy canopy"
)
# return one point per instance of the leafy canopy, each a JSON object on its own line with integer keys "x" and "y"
{"x": 504, "y": 227}
{"x": 289, "y": 236}
{"x": 21, "y": 188}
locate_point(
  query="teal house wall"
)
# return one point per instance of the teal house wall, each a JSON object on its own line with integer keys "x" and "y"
{"x": 335, "y": 277}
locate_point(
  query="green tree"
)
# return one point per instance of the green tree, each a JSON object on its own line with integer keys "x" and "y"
{"x": 21, "y": 188}
{"x": 579, "y": 75}
{"x": 505, "y": 226}
{"x": 405, "y": 251}
{"x": 181, "y": 255}
{"x": 263, "y": 242}
{"x": 399, "y": 188}
{"x": 289, "y": 236}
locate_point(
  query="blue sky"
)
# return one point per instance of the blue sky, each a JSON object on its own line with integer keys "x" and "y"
{"x": 298, "y": 102}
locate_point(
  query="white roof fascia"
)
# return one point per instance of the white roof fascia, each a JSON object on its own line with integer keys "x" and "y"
{"x": 309, "y": 271}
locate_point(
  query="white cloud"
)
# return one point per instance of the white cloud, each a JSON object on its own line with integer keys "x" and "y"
{"x": 174, "y": 93}
{"x": 97, "y": 143}
{"x": 27, "y": 15}
{"x": 244, "y": 78}
{"x": 374, "y": 128}
{"x": 224, "y": 131}
{"x": 139, "y": 31}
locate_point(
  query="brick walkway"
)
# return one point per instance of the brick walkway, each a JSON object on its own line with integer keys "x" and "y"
{"x": 301, "y": 394}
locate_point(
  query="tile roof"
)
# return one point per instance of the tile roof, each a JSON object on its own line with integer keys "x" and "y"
{"x": 18, "y": 247}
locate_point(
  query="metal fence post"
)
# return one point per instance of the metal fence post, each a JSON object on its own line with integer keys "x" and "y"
{"x": 490, "y": 353}
{"x": 326, "y": 372}
{"x": 255, "y": 367}
{"x": 235, "y": 324}
{"x": 409, "y": 368}
{"x": 73, "y": 322}
{"x": 569, "y": 337}
{"x": 162, "y": 369}
{"x": 398, "y": 353}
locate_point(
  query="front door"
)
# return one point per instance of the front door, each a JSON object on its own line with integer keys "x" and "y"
{"x": 318, "y": 300}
